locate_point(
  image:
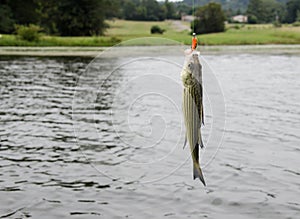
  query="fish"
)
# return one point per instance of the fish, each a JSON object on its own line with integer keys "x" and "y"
{"x": 192, "y": 107}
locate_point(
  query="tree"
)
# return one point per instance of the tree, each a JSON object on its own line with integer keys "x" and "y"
{"x": 80, "y": 17}
{"x": 148, "y": 10}
{"x": 155, "y": 12}
{"x": 271, "y": 10}
{"x": 24, "y": 11}
{"x": 170, "y": 10}
{"x": 62, "y": 17}
{"x": 252, "y": 19}
{"x": 255, "y": 8}
{"x": 265, "y": 11}
{"x": 183, "y": 8}
{"x": 210, "y": 19}
{"x": 129, "y": 10}
{"x": 6, "y": 21}
{"x": 112, "y": 9}
{"x": 292, "y": 7}
{"x": 228, "y": 14}
{"x": 48, "y": 13}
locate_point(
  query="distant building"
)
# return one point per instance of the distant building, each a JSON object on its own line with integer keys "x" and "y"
{"x": 188, "y": 18}
{"x": 240, "y": 18}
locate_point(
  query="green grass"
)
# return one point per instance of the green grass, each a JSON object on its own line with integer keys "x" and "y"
{"x": 257, "y": 34}
{"x": 11, "y": 40}
{"x": 121, "y": 30}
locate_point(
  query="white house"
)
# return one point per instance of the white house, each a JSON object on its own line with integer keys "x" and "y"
{"x": 240, "y": 18}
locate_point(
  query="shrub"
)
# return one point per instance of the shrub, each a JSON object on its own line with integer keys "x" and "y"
{"x": 157, "y": 29}
{"x": 296, "y": 24}
{"x": 29, "y": 33}
{"x": 115, "y": 40}
{"x": 237, "y": 27}
{"x": 277, "y": 24}
{"x": 252, "y": 19}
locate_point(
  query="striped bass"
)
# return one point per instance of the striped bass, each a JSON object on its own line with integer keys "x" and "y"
{"x": 191, "y": 76}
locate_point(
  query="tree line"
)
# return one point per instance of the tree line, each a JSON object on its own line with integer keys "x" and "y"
{"x": 87, "y": 17}
{"x": 148, "y": 10}
{"x": 58, "y": 17}
{"x": 259, "y": 11}
{"x": 267, "y": 11}
{"x": 82, "y": 17}
{"x": 211, "y": 18}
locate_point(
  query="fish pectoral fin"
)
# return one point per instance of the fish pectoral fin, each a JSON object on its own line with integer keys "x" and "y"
{"x": 202, "y": 116}
{"x": 185, "y": 141}
{"x": 200, "y": 142}
{"x": 198, "y": 173}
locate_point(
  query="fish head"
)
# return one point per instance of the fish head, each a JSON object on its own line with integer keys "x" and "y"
{"x": 190, "y": 67}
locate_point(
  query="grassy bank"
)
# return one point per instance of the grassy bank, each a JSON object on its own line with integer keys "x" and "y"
{"x": 121, "y": 30}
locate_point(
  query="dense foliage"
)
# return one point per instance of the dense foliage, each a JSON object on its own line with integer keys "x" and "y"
{"x": 6, "y": 21}
{"x": 76, "y": 17}
{"x": 82, "y": 17}
{"x": 265, "y": 11}
{"x": 61, "y": 17}
{"x": 293, "y": 11}
{"x": 272, "y": 11}
{"x": 29, "y": 33}
{"x": 87, "y": 17}
{"x": 148, "y": 10}
{"x": 232, "y": 5}
{"x": 209, "y": 19}
{"x": 259, "y": 11}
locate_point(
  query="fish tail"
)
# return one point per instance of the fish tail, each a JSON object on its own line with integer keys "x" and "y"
{"x": 198, "y": 173}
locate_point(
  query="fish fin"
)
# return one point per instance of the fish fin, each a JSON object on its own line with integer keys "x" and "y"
{"x": 198, "y": 173}
{"x": 185, "y": 141}
{"x": 201, "y": 144}
{"x": 202, "y": 115}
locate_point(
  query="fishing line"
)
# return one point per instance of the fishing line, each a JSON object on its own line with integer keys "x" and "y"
{"x": 193, "y": 13}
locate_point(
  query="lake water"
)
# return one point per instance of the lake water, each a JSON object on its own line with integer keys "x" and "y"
{"x": 105, "y": 139}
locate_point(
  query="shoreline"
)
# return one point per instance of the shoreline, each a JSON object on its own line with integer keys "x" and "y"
{"x": 94, "y": 51}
